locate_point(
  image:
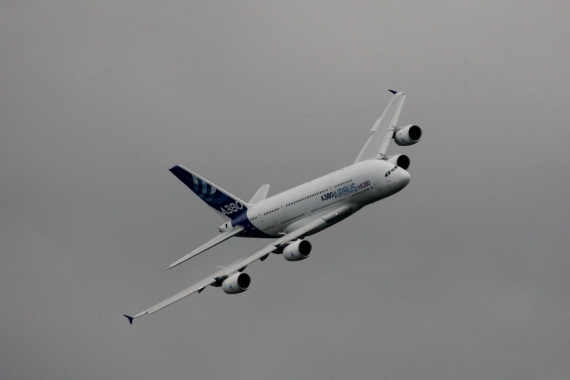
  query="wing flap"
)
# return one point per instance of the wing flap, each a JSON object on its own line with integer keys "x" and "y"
{"x": 178, "y": 296}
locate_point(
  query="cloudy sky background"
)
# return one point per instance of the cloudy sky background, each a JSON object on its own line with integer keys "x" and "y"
{"x": 463, "y": 274}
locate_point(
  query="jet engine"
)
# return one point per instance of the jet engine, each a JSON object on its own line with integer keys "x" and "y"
{"x": 298, "y": 250}
{"x": 401, "y": 160}
{"x": 408, "y": 135}
{"x": 236, "y": 283}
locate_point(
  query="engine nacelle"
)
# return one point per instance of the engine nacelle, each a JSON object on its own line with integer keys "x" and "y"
{"x": 408, "y": 135}
{"x": 401, "y": 160}
{"x": 236, "y": 283}
{"x": 298, "y": 250}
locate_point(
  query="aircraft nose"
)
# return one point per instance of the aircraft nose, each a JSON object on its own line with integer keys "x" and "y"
{"x": 404, "y": 177}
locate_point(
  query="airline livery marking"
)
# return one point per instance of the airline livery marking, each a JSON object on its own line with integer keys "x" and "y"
{"x": 231, "y": 208}
{"x": 340, "y": 192}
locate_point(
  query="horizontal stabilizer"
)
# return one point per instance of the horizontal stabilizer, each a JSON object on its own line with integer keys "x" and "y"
{"x": 260, "y": 194}
{"x": 215, "y": 241}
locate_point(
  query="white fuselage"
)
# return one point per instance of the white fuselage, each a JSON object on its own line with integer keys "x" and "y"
{"x": 357, "y": 185}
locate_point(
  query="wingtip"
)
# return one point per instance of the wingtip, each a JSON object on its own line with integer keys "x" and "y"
{"x": 174, "y": 264}
{"x": 129, "y": 318}
{"x": 393, "y": 91}
{"x": 179, "y": 261}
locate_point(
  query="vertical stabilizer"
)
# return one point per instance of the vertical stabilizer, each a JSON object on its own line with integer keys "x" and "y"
{"x": 224, "y": 203}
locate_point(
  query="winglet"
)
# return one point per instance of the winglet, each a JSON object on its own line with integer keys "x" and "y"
{"x": 129, "y": 318}
{"x": 393, "y": 92}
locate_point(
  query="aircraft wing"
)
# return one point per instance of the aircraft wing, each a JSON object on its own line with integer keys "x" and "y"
{"x": 241, "y": 264}
{"x": 383, "y": 130}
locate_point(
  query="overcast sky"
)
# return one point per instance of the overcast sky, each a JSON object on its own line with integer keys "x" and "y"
{"x": 462, "y": 275}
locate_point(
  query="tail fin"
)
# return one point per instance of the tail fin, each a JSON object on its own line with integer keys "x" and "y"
{"x": 224, "y": 203}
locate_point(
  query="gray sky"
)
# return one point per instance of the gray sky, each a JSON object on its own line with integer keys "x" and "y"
{"x": 464, "y": 274}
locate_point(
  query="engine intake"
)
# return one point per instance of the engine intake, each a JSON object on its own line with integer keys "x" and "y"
{"x": 408, "y": 135}
{"x": 401, "y": 160}
{"x": 298, "y": 250}
{"x": 236, "y": 283}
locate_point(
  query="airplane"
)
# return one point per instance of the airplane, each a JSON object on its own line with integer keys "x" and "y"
{"x": 303, "y": 210}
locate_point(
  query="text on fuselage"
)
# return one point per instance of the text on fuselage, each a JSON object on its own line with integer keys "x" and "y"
{"x": 345, "y": 190}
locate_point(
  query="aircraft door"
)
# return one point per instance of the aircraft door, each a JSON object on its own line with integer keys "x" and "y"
{"x": 260, "y": 216}
{"x": 376, "y": 185}
{"x": 283, "y": 211}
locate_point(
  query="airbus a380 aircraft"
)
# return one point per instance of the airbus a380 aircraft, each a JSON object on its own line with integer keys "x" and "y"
{"x": 303, "y": 210}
